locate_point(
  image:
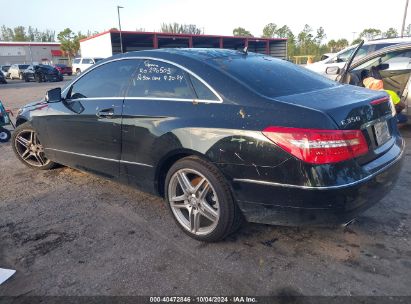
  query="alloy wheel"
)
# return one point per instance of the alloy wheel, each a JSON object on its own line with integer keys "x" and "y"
{"x": 193, "y": 201}
{"x": 29, "y": 148}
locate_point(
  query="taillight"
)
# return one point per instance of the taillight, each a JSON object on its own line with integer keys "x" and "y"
{"x": 319, "y": 146}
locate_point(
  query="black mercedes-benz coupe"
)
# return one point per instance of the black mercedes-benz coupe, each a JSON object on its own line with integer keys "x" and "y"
{"x": 222, "y": 135}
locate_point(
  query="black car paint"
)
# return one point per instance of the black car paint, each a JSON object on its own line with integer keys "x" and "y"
{"x": 42, "y": 73}
{"x": 143, "y": 138}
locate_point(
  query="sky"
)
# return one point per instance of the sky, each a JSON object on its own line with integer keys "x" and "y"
{"x": 339, "y": 18}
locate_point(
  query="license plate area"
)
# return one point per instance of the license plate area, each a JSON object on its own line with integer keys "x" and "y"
{"x": 381, "y": 132}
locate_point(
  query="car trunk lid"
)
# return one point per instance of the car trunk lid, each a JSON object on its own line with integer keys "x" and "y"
{"x": 353, "y": 108}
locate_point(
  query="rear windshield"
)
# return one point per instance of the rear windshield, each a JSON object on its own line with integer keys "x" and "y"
{"x": 23, "y": 66}
{"x": 272, "y": 77}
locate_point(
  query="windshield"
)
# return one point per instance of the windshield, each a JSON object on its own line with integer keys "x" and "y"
{"x": 5, "y": 68}
{"x": 23, "y": 66}
{"x": 272, "y": 77}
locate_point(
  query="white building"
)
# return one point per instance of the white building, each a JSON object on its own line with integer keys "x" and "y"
{"x": 30, "y": 52}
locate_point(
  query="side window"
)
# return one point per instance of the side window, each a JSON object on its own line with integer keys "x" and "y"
{"x": 395, "y": 60}
{"x": 76, "y": 61}
{"x": 157, "y": 79}
{"x": 202, "y": 92}
{"x": 108, "y": 80}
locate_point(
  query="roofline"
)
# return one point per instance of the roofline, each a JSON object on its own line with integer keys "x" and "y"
{"x": 27, "y": 43}
{"x": 183, "y": 35}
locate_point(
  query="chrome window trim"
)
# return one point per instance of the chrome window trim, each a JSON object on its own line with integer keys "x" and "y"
{"x": 220, "y": 100}
{"x": 99, "y": 157}
{"x": 147, "y": 98}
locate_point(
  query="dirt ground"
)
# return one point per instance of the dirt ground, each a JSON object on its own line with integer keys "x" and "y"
{"x": 70, "y": 233}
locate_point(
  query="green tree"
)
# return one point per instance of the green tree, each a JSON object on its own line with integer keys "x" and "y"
{"x": 370, "y": 33}
{"x": 240, "y": 31}
{"x": 305, "y": 40}
{"x": 20, "y": 34}
{"x": 69, "y": 42}
{"x": 342, "y": 44}
{"x": 269, "y": 30}
{"x": 332, "y": 44}
{"x": 177, "y": 28}
{"x": 356, "y": 41}
{"x": 391, "y": 33}
{"x": 320, "y": 35}
{"x": 7, "y": 34}
{"x": 284, "y": 32}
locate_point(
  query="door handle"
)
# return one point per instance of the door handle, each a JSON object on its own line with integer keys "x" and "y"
{"x": 105, "y": 113}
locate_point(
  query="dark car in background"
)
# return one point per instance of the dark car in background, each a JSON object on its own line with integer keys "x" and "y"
{"x": 221, "y": 135}
{"x": 16, "y": 71}
{"x": 4, "y": 69}
{"x": 2, "y": 78}
{"x": 63, "y": 69}
{"x": 42, "y": 73}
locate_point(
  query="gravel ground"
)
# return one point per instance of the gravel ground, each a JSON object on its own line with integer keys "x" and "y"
{"x": 70, "y": 233}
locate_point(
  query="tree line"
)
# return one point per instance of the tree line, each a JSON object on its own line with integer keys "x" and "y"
{"x": 307, "y": 42}
{"x": 312, "y": 42}
{"x": 20, "y": 33}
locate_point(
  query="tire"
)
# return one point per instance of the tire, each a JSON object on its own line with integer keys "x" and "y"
{"x": 205, "y": 210}
{"x": 28, "y": 149}
{"x": 78, "y": 72}
{"x": 5, "y": 135}
{"x": 26, "y": 79}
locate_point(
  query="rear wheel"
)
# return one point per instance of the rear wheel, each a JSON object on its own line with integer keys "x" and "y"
{"x": 28, "y": 148}
{"x": 200, "y": 200}
{"x": 4, "y": 135}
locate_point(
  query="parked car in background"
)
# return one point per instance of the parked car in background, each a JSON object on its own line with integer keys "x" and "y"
{"x": 391, "y": 64}
{"x": 3, "y": 78}
{"x": 339, "y": 59}
{"x": 63, "y": 69}
{"x": 42, "y": 73}
{"x": 16, "y": 71}
{"x": 81, "y": 64}
{"x": 4, "y": 69}
{"x": 220, "y": 134}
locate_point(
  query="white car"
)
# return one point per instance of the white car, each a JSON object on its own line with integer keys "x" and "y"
{"x": 82, "y": 64}
{"x": 339, "y": 59}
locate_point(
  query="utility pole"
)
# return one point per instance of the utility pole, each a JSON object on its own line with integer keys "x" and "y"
{"x": 403, "y": 19}
{"x": 119, "y": 26}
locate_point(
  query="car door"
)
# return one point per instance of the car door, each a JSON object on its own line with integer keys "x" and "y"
{"x": 84, "y": 131}
{"x": 161, "y": 94}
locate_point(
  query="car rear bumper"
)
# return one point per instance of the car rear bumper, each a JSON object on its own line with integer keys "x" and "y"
{"x": 291, "y": 205}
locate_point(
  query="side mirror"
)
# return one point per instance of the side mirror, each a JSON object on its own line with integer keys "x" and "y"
{"x": 383, "y": 66}
{"x": 53, "y": 95}
{"x": 332, "y": 70}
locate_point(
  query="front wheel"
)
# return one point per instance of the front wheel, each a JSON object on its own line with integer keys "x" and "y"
{"x": 200, "y": 200}
{"x": 4, "y": 135}
{"x": 28, "y": 149}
